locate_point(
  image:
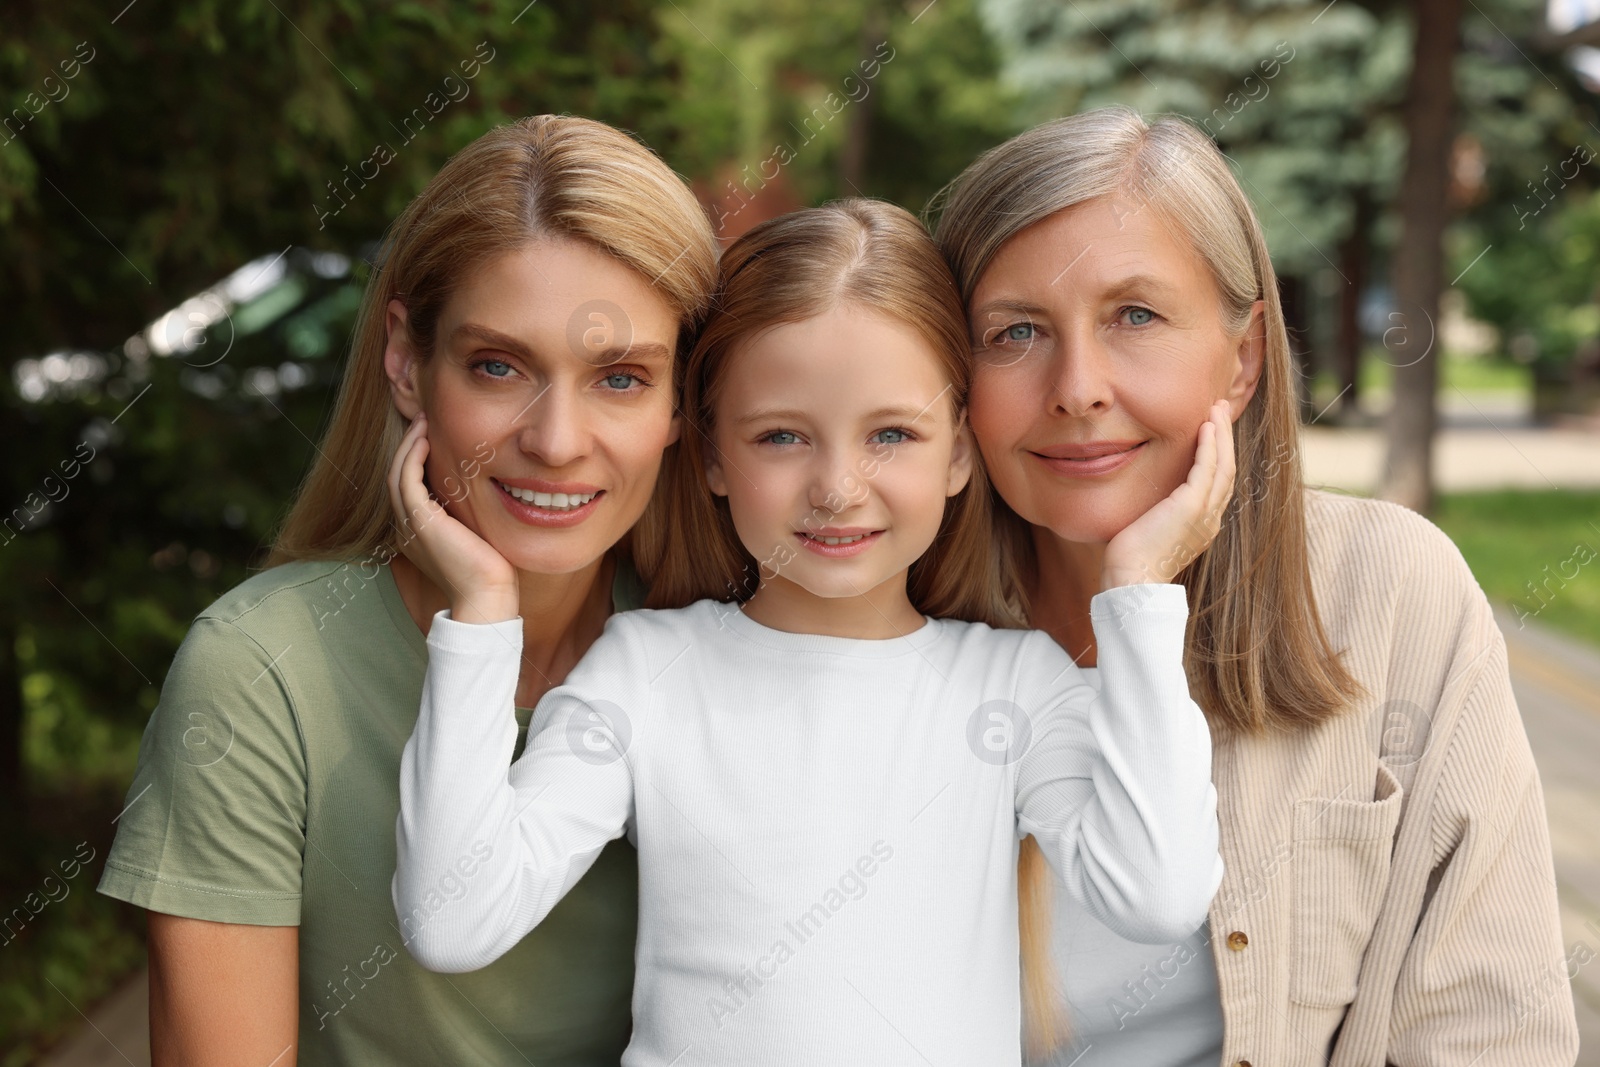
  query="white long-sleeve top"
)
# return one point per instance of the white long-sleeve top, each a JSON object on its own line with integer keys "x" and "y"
{"x": 827, "y": 827}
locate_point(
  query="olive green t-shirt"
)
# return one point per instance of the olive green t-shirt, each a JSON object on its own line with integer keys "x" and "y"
{"x": 266, "y": 793}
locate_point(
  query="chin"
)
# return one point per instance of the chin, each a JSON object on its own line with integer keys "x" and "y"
{"x": 545, "y": 554}
{"x": 823, "y": 589}
{"x": 1088, "y": 520}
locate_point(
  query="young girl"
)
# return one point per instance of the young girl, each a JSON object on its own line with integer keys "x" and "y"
{"x": 824, "y": 752}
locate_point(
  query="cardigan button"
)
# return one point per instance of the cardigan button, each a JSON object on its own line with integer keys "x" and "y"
{"x": 1237, "y": 941}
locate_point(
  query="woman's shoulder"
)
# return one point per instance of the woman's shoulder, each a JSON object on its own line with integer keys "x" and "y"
{"x": 297, "y": 594}
{"x": 289, "y": 579}
{"x": 1378, "y": 566}
{"x": 1381, "y": 538}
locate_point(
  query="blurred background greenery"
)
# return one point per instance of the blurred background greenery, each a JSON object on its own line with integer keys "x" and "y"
{"x": 190, "y": 189}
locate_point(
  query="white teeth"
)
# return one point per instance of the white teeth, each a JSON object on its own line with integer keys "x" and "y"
{"x": 553, "y": 501}
{"x": 837, "y": 540}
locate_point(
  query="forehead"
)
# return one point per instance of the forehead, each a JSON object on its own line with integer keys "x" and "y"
{"x": 545, "y": 289}
{"x": 1091, "y": 248}
{"x": 836, "y": 362}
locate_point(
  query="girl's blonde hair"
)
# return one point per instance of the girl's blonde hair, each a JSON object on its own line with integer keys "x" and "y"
{"x": 1257, "y": 655}
{"x": 873, "y": 256}
{"x": 541, "y": 177}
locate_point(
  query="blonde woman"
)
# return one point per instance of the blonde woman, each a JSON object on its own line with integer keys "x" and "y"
{"x": 529, "y": 308}
{"x": 1388, "y": 895}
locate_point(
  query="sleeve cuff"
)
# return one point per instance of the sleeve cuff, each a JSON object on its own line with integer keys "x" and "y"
{"x": 482, "y": 638}
{"x": 1146, "y": 598}
{"x": 248, "y": 907}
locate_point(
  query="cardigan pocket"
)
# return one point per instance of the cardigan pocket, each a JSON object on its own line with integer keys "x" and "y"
{"x": 1341, "y": 869}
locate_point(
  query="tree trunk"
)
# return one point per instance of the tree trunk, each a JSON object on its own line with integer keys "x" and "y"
{"x": 13, "y": 790}
{"x": 1419, "y": 258}
{"x": 853, "y": 156}
{"x": 1353, "y": 252}
{"x": 1292, "y": 297}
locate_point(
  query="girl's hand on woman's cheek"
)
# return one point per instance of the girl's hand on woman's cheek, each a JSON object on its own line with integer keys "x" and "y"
{"x": 481, "y": 585}
{"x": 1159, "y": 544}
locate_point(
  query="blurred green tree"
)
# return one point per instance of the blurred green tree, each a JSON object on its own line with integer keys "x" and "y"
{"x": 796, "y": 102}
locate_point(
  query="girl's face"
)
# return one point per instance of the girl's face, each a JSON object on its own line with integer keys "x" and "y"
{"x": 1099, "y": 349}
{"x": 836, "y": 442}
{"x": 549, "y": 401}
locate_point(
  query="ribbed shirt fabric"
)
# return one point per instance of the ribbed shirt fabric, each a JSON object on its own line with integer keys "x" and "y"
{"x": 827, "y": 827}
{"x": 1133, "y": 1004}
{"x": 1389, "y": 871}
{"x": 1389, "y": 895}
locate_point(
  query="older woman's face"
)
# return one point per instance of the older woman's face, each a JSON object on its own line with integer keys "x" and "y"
{"x": 549, "y": 402}
{"x": 1099, "y": 349}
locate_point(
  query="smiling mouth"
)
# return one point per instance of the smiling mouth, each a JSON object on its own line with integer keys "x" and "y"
{"x": 1091, "y": 460}
{"x": 852, "y": 539}
{"x": 845, "y": 543}
{"x": 547, "y": 501}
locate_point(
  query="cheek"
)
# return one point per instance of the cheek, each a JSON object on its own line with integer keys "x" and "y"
{"x": 996, "y": 406}
{"x": 761, "y": 493}
{"x": 450, "y": 454}
{"x": 1000, "y": 414}
{"x": 634, "y": 442}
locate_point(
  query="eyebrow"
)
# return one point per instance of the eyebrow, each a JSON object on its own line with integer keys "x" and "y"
{"x": 640, "y": 351}
{"x": 1118, "y": 289}
{"x": 903, "y": 413}
{"x": 1021, "y": 307}
{"x": 1137, "y": 283}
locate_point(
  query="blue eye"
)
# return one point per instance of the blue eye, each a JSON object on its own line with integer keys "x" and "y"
{"x": 619, "y": 382}
{"x": 1138, "y": 316}
{"x": 1018, "y": 331}
{"x": 904, "y": 436}
{"x": 773, "y": 437}
{"x": 488, "y": 367}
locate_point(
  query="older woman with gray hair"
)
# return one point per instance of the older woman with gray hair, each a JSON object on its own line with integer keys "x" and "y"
{"x": 1389, "y": 896}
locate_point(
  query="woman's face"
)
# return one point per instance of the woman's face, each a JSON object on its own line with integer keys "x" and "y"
{"x": 1099, "y": 349}
{"x": 549, "y": 401}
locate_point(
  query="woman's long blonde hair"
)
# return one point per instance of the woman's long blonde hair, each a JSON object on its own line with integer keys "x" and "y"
{"x": 1257, "y": 655}
{"x": 862, "y": 254}
{"x": 541, "y": 177}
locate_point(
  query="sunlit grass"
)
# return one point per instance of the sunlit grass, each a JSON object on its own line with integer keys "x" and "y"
{"x": 1527, "y": 549}
{"x": 1468, "y": 374}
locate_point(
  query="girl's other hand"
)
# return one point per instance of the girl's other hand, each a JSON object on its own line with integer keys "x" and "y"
{"x": 1159, "y": 544}
{"x": 481, "y": 585}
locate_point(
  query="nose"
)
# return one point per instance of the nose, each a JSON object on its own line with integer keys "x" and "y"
{"x": 553, "y": 427}
{"x": 837, "y": 482}
{"x": 1081, "y": 371}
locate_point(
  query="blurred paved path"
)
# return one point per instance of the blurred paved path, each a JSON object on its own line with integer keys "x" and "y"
{"x": 1465, "y": 457}
{"x": 116, "y": 1034}
{"x": 1557, "y": 682}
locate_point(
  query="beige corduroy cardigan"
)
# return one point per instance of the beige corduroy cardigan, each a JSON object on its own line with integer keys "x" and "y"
{"x": 1390, "y": 896}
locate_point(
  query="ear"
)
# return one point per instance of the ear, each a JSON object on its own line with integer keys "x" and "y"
{"x": 712, "y": 462}
{"x": 961, "y": 456}
{"x": 675, "y": 429}
{"x": 1249, "y": 357}
{"x": 400, "y": 361}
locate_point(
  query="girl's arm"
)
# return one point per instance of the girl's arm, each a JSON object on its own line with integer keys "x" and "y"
{"x": 487, "y": 848}
{"x": 1118, "y": 793}
{"x": 1116, "y": 785}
